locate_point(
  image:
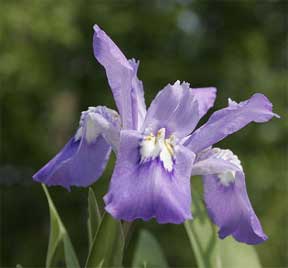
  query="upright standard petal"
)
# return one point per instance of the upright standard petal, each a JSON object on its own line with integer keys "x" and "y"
{"x": 205, "y": 98}
{"x": 226, "y": 197}
{"x": 145, "y": 190}
{"x": 229, "y": 120}
{"x": 127, "y": 89}
{"x": 84, "y": 157}
{"x": 137, "y": 95}
{"x": 174, "y": 108}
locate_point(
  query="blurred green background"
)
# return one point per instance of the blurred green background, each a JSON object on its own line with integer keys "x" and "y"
{"x": 48, "y": 75}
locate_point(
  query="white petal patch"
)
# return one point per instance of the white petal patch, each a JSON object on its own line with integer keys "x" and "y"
{"x": 95, "y": 120}
{"x": 78, "y": 134}
{"x": 229, "y": 176}
{"x": 92, "y": 129}
{"x": 152, "y": 147}
{"x": 166, "y": 159}
{"x": 148, "y": 148}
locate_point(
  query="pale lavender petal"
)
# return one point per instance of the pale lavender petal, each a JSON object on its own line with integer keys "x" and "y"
{"x": 229, "y": 208}
{"x": 147, "y": 190}
{"x": 78, "y": 164}
{"x": 108, "y": 126}
{"x": 212, "y": 166}
{"x": 83, "y": 159}
{"x": 137, "y": 95}
{"x": 175, "y": 109}
{"x": 229, "y": 120}
{"x": 215, "y": 161}
{"x": 205, "y": 97}
{"x": 226, "y": 197}
{"x": 122, "y": 77}
{"x": 65, "y": 154}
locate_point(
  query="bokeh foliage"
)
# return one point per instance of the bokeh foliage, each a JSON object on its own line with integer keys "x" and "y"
{"x": 48, "y": 75}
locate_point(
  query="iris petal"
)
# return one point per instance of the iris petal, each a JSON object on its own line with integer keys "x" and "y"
{"x": 229, "y": 207}
{"x": 78, "y": 164}
{"x": 215, "y": 161}
{"x": 226, "y": 197}
{"x": 205, "y": 98}
{"x": 146, "y": 190}
{"x": 175, "y": 109}
{"x": 127, "y": 89}
{"x": 83, "y": 159}
{"x": 137, "y": 95}
{"x": 229, "y": 120}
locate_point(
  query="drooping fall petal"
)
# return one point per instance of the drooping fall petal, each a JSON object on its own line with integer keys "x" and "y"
{"x": 147, "y": 190}
{"x": 229, "y": 207}
{"x": 83, "y": 159}
{"x": 226, "y": 196}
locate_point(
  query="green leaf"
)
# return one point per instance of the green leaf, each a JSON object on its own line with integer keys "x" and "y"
{"x": 94, "y": 216}
{"x": 238, "y": 255}
{"x": 108, "y": 244}
{"x": 202, "y": 236}
{"x": 148, "y": 252}
{"x": 209, "y": 250}
{"x": 59, "y": 241}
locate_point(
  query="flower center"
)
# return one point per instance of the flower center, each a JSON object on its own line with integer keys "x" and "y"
{"x": 153, "y": 146}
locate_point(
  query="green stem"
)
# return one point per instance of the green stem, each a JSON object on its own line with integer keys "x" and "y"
{"x": 128, "y": 228}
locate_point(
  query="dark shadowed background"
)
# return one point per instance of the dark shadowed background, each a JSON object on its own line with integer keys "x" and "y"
{"x": 48, "y": 75}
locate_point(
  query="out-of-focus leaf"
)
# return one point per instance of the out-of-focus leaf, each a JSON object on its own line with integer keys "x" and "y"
{"x": 202, "y": 236}
{"x": 59, "y": 239}
{"x": 148, "y": 252}
{"x": 94, "y": 216}
{"x": 237, "y": 255}
{"x": 209, "y": 250}
{"x": 108, "y": 244}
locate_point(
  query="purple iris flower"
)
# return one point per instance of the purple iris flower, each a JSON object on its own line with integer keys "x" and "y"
{"x": 158, "y": 150}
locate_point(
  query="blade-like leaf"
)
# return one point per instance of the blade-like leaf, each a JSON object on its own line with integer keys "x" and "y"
{"x": 209, "y": 250}
{"x": 70, "y": 256}
{"x": 202, "y": 236}
{"x": 108, "y": 244}
{"x": 148, "y": 252}
{"x": 58, "y": 239}
{"x": 238, "y": 255}
{"x": 94, "y": 216}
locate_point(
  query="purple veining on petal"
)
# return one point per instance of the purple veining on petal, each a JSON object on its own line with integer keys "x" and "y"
{"x": 147, "y": 190}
